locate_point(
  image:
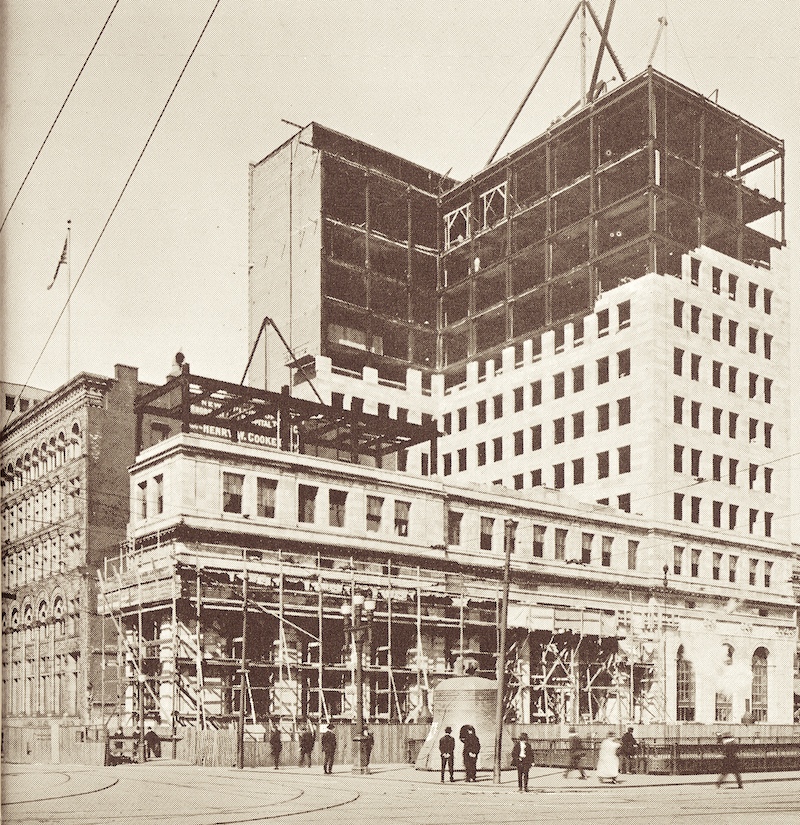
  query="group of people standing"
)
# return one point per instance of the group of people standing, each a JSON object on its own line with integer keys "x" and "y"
{"x": 472, "y": 747}
{"x": 616, "y": 756}
{"x": 328, "y": 744}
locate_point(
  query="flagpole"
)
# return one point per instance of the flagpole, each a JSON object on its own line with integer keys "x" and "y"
{"x": 69, "y": 289}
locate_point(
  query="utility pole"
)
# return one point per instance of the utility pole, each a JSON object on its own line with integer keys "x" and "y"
{"x": 508, "y": 537}
{"x": 242, "y": 679}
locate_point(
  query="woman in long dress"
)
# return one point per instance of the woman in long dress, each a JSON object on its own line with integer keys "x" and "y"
{"x": 608, "y": 761}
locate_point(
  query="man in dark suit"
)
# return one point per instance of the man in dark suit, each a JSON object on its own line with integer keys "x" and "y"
{"x": 447, "y": 747}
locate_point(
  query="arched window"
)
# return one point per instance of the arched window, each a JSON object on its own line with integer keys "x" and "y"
{"x": 75, "y": 441}
{"x": 61, "y": 454}
{"x": 723, "y": 709}
{"x": 684, "y": 679}
{"x": 759, "y": 691}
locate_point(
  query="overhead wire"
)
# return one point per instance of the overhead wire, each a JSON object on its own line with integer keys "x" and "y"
{"x": 117, "y": 202}
{"x": 58, "y": 115}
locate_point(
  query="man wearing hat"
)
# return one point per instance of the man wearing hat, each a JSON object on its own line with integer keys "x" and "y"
{"x": 328, "y": 748}
{"x": 522, "y": 758}
{"x": 627, "y": 752}
{"x": 447, "y": 747}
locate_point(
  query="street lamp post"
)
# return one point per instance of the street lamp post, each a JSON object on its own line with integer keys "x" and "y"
{"x": 358, "y": 622}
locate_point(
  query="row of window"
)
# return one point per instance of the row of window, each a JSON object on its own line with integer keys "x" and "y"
{"x": 52, "y": 454}
{"x": 731, "y": 287}
{"x": 754, "y": 334}
{"x": 40, "y": 560}
{"x": 687, "y": 561}
{"x": 579, "y": 469}
{"x": 716, "y": 375}
{"x": 41, "y": 509}
{"x": 46, "y": 690}
{"x": 690, "y": 460}
{"x": 577, "y": 382}
{"x": 718, "y": 513}
{"x": 754, "y": 426}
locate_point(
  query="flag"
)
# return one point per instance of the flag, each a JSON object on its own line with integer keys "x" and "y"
{"x": 62, "y": 260}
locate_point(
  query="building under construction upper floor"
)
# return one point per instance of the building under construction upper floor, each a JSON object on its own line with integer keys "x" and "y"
{"x": 377, "y": 263}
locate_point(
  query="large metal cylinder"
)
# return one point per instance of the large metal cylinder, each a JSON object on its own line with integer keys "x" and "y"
{"x": 464, "y": 700}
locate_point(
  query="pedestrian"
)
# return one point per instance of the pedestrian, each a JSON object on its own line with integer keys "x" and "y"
{"x": 447, "y": 747}
{"x": 152, "y": 743}
{"x": 135, "y": 746}
{"x": 275, "y": 744}
{"x": 306, "y": 745}
{"x": 328, "y": 743}
{"x": 627, "y": 751}
{"x": 367, "y": 743}
{"x": 576, "y": 754}
{"x": 608, "y": 760}
{"x": 522, "y": 759}
{"x": 472, "y": 747}
{"x": 118, "y": 747}
{"x": 730, "y": 759}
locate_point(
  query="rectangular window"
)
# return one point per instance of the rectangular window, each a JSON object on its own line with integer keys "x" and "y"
{"x": 447, "y": 463}
{"x": 677, "y": 312}
{"x": 454, "y": 527}
{"x": 753, "y": 520}
{"x": 767, "y": 435}
{"x": 767, "y": 346}
{"x": 695, "y": 510}
{"x": 752, "y": 297}
{"x": 767, "y": 479}
{"x": 732, "y": 379}
{"x": 752, "y": 476}
{"x": 577, "y": 332}
{"x": 577, "y": 471}
{"x": 624, "y": 363}
{"x": 695, "y": 563}
{"x": 142, "y": 500}
{"x": 536, "y": 478}
{"x": 602, "y": 464}
{"x": 733, "y": 561}
{"x": 695, "y": 272}
{"x": 266, "y": 492}
{"x": 560, "y": 546}
{"x": 716, "y": 327}
{"x": 732, "y": 329}
{"x": 716, "y": 513}
{"x": 497, "y": 401}
{"x": 732, "y": 419}
{"x": 586, "y": 548}
{"x": 732, "y": 281}
{"x": 336, "y": 507}
{"x": 447, "y": 423}
{"x": 375, "y": 513}
{"x": 624, "y": 314}
{"x": 768, "y": 573}
{"x": 767, "y": 390}
{"x": 558, "y": 476}
{"x": 401, "y": 514}
{"x": 159, "y": 481}
{"x": 577, "y": 425}
{"x": 577, "y": 379}
{"x": 624, "y": 411}
{"x": 518, "y": 443}
{"x": 696, "y": 414}
{"x": 677, "y": 409}
{"x": 536, "y": 437}
{"x": 752, "y": 345}
{"x": 733, "y": 466}
{"x": 716, "y": 563}
{"x": 232, "y": 484}
{"x": 695, "y": 471}
{"x": 602, "y": 418}
{"x": 753, "y": 385}
{"x": 716, "y": 468}
{"x": 695, "y": 367}
{"x": 624, "y": 459}
{"x": 733, "y": 511}
{"x": 633, "y": 550}
{"x": 518, "y": 399}
{"x": 462, "y": 459}
{"x": 695, "y": 319}
{"x": 677, "y": 506}
{"x": 482, "y": 411}
{"x": 558, "y": 431}
{"x": 716, "y": 420}
{"x": 536, "y": 393}
{"x": 605, "y": 552}
{"x": 753, "y": 566}
{"x": 518, "y": 481}
{"x": 558, "y": 385}
{"x": 602, "y": 323}
{"x": 497, "y": 445}
{"x": 624, "y": 502}
{"x": 716, "y": 373}
{"x": 677, "y": 560}
{"x": 677, "y": 361}
{"x": 487, "y": 528}
{"x": 768, "y": 301}
{"x": 306, "y": 503}
{"x": 538, "y": 541}
{"x": 462, "y": 418}
{"x": 602, "y": 370}
{"x": 481, "y": 454}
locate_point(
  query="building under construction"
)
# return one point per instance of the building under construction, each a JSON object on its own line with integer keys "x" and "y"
{"x": 258, "y": 505}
